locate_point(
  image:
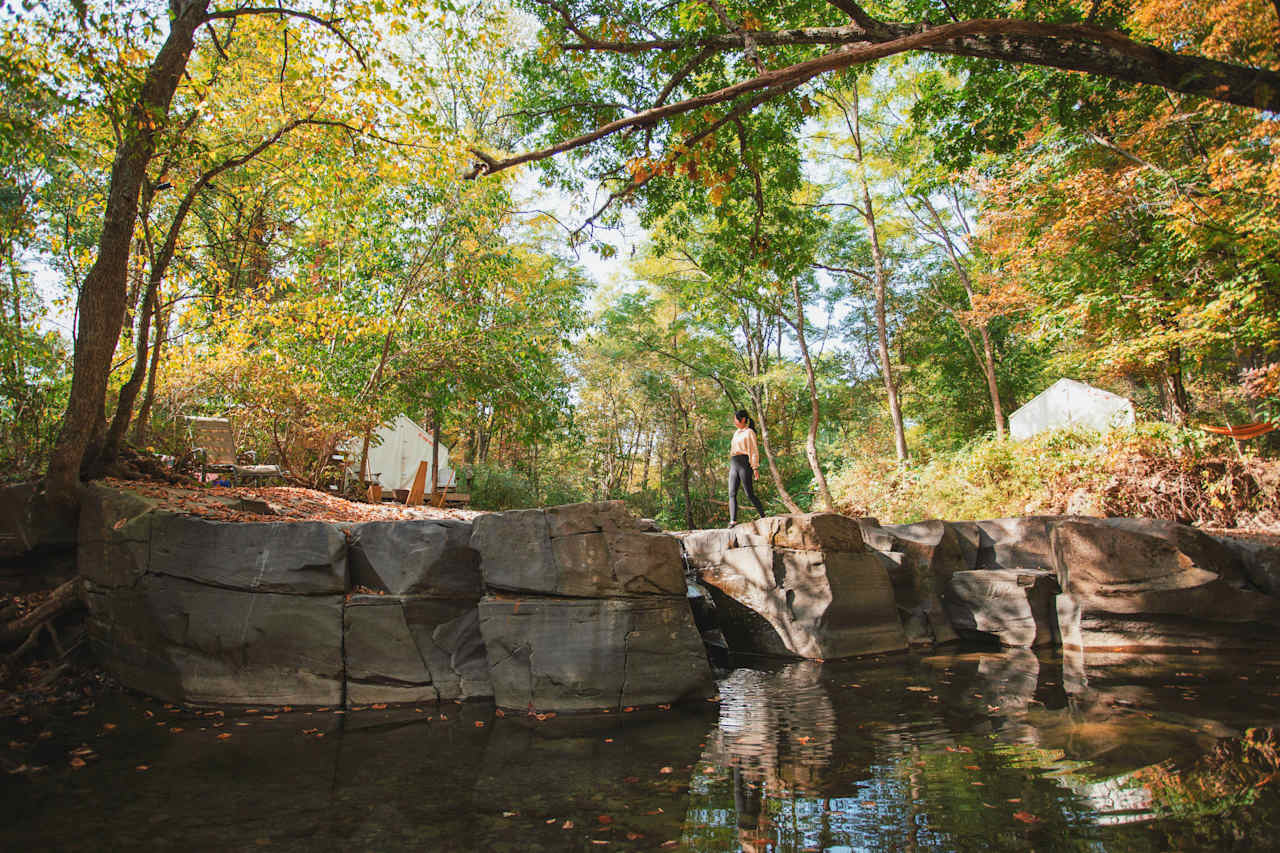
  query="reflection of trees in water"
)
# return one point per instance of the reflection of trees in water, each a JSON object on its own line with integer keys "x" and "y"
{"x": 775, "y": 726}
{"x": 979, "y": 749}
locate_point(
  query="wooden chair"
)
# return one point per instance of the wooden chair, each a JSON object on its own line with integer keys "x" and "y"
{"x": 215, "y": 446}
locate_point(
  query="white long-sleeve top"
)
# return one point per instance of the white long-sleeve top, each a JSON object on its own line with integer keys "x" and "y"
{"x": 744, "y": 444}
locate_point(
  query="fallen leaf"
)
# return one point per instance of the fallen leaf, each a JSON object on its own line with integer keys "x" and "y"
{"x": 568, "y": 824}
{"x": 972, "y": 767}
{"x": 510, "y": 814}
{"x": 379, "y": 706}
{"x": 920, "y": 689}
{"x": 77, "y": 762}
{"x": 479, "y": 724}
{"x": 666, "y": 770}
{"x": 108, "y": 726}
{"x": 1026, "y": 817}
{"x": 1014, "y": 800}
{"x": 634, "y": 836}
{"x": 868, "y": 804}
{"x": 224, "y": 735}
{"x": 176, "y": 729}
{"x": 142, "y": 767}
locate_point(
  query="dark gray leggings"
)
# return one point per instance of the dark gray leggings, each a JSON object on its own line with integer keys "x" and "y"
{"x": 740, "y": 473}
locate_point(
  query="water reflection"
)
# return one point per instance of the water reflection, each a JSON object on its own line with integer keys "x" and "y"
{"x": 989, "y": 750}
{"x": 956, "y": 751}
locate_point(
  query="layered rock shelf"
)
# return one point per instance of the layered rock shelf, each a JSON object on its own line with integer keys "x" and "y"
{"x": 802, "y": 586}
{"x": 586, "y": 607}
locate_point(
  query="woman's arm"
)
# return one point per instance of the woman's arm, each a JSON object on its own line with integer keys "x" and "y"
{"x": 753, "y": 450}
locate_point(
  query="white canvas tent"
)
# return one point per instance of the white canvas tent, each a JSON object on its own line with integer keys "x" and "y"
{"x": 394, "y": 454}
{"x": 1071, "y": 403}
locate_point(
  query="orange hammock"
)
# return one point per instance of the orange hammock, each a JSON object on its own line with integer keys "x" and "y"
{"x": 1242, "y": 431}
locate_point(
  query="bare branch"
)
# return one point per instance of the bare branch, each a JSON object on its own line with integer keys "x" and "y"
{"x": 330, "y": 24}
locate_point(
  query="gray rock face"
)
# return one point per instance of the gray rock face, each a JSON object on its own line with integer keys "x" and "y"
{"x": 1260, "y": 562}
{"x": 300, "y": 558}
{"x": 403, "y": 649}
{"x": 815, "y": 531}
{"x": 26, "y": 524}
{"x": 1013, "y": 543}
{"x": 579, "y": 654}
{"x": 254, "y": 613}
{"x": 1202, "y": 549}
{"x": 798, "y": 586}
{"x": 589, "y": 550}
{"x": 1136, "y": 589}
{"x": 187, "y": 642}
{"x": 415, "y": 557}
{"x": 1017, "y": 608}
{"x": 114, "y": 542}
{"x": 931, "y": 552}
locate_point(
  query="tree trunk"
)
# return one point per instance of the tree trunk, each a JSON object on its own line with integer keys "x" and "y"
{"x": 143, "y": 421}
{"x": 811, "y": 439}
{"x": 101, "y": 304}
{"x": 988, "y": 361}
{"x": 1173, "y": 392}
{"x": 774, "y": 474}
{"x": 881, "y": 286}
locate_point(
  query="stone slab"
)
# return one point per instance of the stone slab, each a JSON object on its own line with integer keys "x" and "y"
{"x": 415, "y": 557}
{"x": 809, "y": 604}
{"x": 815, "y": 531}
{"x": 188, "y": 642}
{"x": 576, "y": 654}
{"x": 1017, "y": 608}
{"x": 299, "y": 558}
{"x": 515, "y": 550}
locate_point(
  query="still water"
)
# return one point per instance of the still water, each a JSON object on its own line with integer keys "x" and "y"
{"x": 962, "y": 751}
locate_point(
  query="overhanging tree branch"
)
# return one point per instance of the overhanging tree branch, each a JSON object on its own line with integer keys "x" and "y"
{"x": 330, "y": 24}
{"x": 1065, "y": 46}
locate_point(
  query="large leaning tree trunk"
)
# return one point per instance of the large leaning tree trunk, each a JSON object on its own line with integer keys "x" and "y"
{"x": 103, "y": 294}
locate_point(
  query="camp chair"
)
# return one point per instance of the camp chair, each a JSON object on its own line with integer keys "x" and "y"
{"x": 215, "y": 446}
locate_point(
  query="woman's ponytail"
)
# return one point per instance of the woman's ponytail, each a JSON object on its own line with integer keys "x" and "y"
{"x": 744, "y": 415}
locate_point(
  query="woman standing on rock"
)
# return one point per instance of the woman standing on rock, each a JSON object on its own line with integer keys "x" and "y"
{"x": 744, "y": 464}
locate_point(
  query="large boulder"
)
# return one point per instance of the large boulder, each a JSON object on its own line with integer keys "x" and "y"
{"x": 114, "y": 541}
{"x": 405, "y": 649}
{"x": 124, "y": 536}
{"x": 1011, "y": 543}
{"x": 1016, "y": 608}
{"x": 27, "y": 523}
{"x": 590, "y": 550}
{"x": 415, "y": 557}
{"x": 806, "y": 588}
{"x": 1139, "y": 589}
{"x": 931, "y": 552}
{"x": 190, "y": 642}
{"x": 1259, "y": 561}
{"x": 299, "y": 558}
{"x": 1200, "y": 548}
{"x": 582, "y": 654}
